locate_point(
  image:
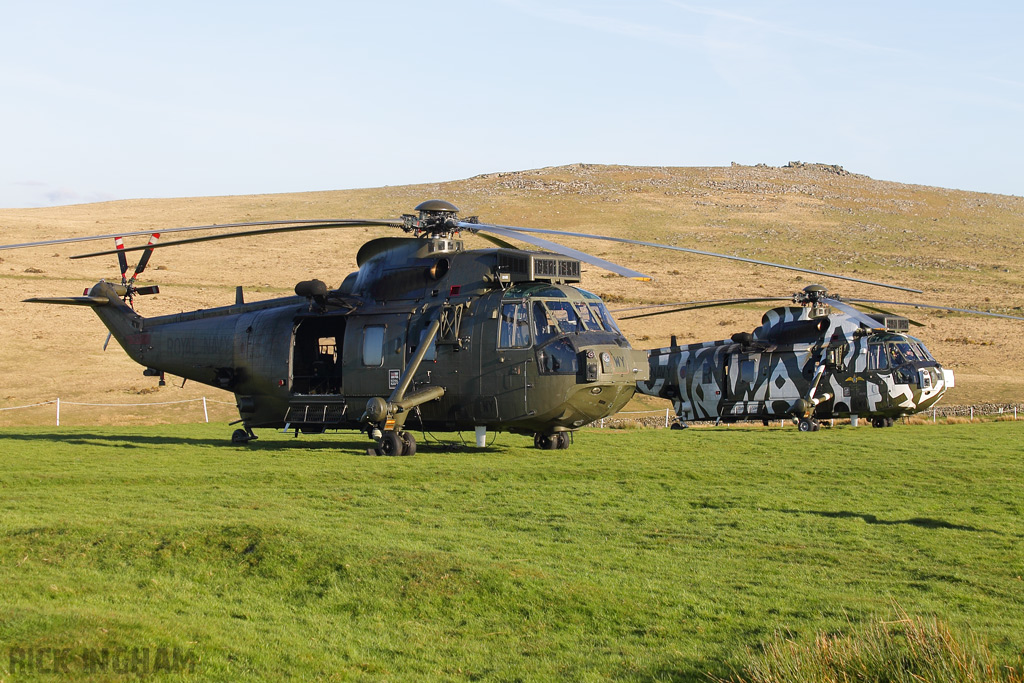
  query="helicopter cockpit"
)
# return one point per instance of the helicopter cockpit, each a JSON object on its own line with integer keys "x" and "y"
{"x": 903, "y": 355}
{"x": 559, "y": 321}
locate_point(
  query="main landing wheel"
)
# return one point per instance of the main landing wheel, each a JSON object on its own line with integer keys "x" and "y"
{"x": 240, "y": 436}
{"x": 393, "y": 443}
{"x": 545, "y": 442}
{"x": 408, "y": 443}
{"x": 390, "y": 443}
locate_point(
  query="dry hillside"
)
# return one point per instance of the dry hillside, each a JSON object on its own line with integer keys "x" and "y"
{"x": 962, "y": 248}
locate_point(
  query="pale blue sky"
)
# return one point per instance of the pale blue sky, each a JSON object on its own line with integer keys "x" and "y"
{"x": 113, "y": 100}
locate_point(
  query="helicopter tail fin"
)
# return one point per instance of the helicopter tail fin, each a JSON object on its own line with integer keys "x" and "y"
{"x": 106, "y": 300}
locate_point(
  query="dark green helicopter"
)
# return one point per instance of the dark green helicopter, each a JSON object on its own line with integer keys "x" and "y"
{"x": 425, "y": 334}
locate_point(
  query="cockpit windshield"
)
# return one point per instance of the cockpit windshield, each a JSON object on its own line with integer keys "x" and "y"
{"x": 902, "y": 352}
{"x": 893, "y": 353}
{"x": 565, "y": 316}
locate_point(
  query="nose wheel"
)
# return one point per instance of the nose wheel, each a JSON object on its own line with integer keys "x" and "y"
{"x": 808, "y": 425}
{"x": 394, "y": 443}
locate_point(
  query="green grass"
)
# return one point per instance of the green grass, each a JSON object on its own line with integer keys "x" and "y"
{"x": 635, "y": 555}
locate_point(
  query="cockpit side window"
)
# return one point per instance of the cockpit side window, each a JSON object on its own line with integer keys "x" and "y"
{"x": 605, "y": 316}
{"x": 877, "y": 360}
{"x": 514, "y": 326}
{"x": 923, "y": 350}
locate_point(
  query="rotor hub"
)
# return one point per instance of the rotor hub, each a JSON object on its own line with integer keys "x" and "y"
{"x": 435, "y": 218}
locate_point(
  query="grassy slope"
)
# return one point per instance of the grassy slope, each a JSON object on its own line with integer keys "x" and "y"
{"x": 961, "y": 248}
{"x": 641, "y": 555}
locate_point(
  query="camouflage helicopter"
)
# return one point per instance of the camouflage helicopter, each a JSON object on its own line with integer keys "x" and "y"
{"x": 424, "y": 334}
{"x": 806, "y": 361}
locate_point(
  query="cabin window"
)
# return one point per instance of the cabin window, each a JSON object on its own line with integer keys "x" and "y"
{"x": 514, "y": 326}
{"x": 709, "y": 371}
{"x": 747, "y": 371}
{"x": 373, "y": 345}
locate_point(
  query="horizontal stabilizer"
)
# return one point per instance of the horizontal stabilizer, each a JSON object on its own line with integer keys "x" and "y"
{"x": 92, "y": 301}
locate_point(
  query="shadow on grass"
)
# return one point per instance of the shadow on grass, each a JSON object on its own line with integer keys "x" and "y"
{"x": 920, "y": 522}
{"x": 351, "y": 444}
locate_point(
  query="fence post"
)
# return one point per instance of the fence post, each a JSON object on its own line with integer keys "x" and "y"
{"x": 58, "y": 411}
{"x": 205, "y": 413}
{"x": 972, "y": 413}
{"x": 666, "y": 418}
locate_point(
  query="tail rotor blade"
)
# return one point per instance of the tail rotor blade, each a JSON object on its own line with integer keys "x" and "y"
{"x": 144, "y": 261}
{"x": 122, "y": 260}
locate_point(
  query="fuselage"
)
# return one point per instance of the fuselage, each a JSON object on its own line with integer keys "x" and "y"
{"x": 512, "y": 353}
{"x": 799, "y": 365}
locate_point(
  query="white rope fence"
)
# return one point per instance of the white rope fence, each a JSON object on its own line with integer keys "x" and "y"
{"x": 969, "y": 412}
{"x": 1001, "y": 412}
{"x": 59, "y": 402}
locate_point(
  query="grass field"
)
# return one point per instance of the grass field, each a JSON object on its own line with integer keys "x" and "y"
{"x": 635, "y": 555}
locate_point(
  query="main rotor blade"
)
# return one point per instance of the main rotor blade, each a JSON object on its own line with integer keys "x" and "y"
{"x": 940, "y": 308}
{"x": 854, "y": 313}
{"x": 704, "y": 304}
{"x": 222, "y": 226}
{"x": 622, "y": 240}
{"x": 876, "y": 309}
{"x": 692, "y": 306}
{"x": 289, "y": 227}
{"x": 557, "y": 248}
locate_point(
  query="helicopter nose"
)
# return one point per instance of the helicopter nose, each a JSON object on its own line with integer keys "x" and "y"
{"x": 614, "y": 363}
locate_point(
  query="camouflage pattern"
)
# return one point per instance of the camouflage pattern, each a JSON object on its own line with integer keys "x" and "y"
{"x": 802, "y": 362}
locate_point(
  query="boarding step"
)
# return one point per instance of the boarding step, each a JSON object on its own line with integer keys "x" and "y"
{"x": 318, "y": 410}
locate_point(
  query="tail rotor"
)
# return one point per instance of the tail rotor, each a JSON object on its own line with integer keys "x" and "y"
{"x": 130, "y": 289}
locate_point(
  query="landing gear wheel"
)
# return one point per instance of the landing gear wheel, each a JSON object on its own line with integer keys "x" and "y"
{"x": 878, "y": 422}
{"x": 545, "y": 442}
{"x": 563, "y": 440}
{"x": 889, "y": 422}
{"x": 808, "y": 425}
{"x": 390, "y": 443}
{"x": 240, "y": 436}
{"x": 408, "y": 443}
